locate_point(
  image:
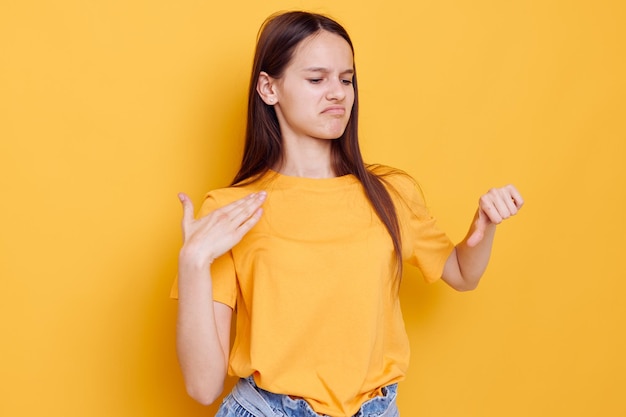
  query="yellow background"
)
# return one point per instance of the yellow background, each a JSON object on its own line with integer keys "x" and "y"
{"x": 109, "y": 108}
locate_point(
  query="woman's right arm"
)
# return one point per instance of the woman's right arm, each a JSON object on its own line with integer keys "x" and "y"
{"x": 203, "y": 325}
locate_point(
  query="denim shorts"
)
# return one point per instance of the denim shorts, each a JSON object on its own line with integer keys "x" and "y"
{"x": 248, "y": 400}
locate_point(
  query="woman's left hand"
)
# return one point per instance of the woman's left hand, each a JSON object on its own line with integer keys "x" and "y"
{"x": 494, "y": 207}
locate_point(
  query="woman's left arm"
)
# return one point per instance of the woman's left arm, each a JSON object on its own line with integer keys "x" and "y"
{"x": 469, "y": 259}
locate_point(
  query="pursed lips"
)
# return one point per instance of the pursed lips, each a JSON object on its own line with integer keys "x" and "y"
{"x": 335, "y": 110}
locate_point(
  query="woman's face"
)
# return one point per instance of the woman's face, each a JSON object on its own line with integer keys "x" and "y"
{"x": 314, "y": 97}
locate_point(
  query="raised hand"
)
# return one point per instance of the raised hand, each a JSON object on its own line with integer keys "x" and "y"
{"x": 494, "y": 207}
{"x": 209, "y": 237}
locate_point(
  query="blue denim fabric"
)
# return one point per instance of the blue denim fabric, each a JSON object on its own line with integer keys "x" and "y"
{"x": 247, "y": 400}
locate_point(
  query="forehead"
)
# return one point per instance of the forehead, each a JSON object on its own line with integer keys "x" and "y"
{"x": 323, "y": 49}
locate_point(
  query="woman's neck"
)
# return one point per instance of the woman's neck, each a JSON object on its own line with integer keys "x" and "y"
{"x": 309, "y": 158}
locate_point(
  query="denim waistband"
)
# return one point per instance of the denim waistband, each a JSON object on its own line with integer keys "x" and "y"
{"x": 259, "y": 402}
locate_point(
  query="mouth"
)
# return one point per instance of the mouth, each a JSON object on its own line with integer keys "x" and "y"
{"x": 335, "y": 110}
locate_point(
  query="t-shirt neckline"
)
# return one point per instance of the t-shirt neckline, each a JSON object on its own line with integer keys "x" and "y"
{"x": 289, "y": 180}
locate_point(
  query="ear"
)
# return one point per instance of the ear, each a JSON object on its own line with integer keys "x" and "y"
{"x": 266, "y": 88}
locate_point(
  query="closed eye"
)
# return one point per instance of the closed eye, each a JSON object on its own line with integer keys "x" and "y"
{"x": 315, "y": 80}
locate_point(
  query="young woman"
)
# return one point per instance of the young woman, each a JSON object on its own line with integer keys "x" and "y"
{"x": 307, "y": 246}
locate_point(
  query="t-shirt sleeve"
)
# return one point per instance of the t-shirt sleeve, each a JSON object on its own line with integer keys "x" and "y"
{"x": 424, "y": 245}
{"x": 222, "y": 269}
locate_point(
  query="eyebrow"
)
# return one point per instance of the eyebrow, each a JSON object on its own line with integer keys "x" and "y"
{"x": 326, "y": 70}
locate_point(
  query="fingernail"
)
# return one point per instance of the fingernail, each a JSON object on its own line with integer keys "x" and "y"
{"x": 262, "y": 195}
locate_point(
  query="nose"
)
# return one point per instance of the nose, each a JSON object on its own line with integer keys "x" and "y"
{"x": 336, "y": 90}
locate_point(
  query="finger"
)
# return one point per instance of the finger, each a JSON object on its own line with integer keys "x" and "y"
{"x": 511, "y": 198}
{"x": 237, "y": 212}
{"x": 503, "y": 203}
{"x": 488, "y": 207}
{"x": 233, "y": 209}
{"x": 508, "y": 199}
{"x": 510, "y": 205}
{"x": 243, "y": 208}
{"x": 249, "y": 222}
{"x": 238, "y": 203}
{"x": 248, "y": 208}
{"x": 515, "y": 196}
{"x": 475, "y": 238}
{"x": 187, "y": 207}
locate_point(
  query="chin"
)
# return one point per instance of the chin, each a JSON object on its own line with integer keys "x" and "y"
{"x": 330, "y": 137}
{"x": 333, "y": 130}
{"x": 334, "y": 134}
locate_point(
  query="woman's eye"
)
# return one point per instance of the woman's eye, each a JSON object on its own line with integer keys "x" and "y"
{"x": 315, "y": 80}
{"x": 347, "y": 82}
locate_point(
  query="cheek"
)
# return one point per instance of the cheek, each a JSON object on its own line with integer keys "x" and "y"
{"x": 351, "y": 97}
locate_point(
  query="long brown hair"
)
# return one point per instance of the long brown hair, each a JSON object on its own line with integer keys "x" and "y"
{"x": 277, "y": 40}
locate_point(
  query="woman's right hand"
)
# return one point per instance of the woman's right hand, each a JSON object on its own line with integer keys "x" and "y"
{"x": 209, "y": 237}
{"x": 203, "y": 325}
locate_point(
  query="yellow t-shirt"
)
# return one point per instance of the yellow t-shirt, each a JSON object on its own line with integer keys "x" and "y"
{"x": 318, "y": 315}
